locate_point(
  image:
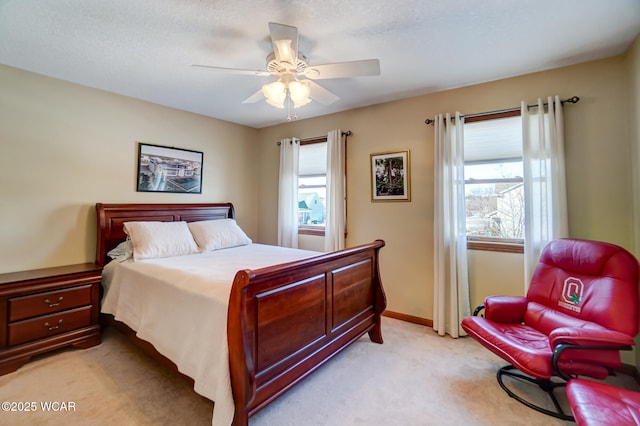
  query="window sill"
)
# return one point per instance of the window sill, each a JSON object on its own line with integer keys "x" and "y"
{"x": 308, "y": 230}
{"x": 495, "y": 246}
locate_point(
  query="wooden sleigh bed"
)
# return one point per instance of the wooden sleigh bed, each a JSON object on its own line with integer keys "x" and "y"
{"x": 330, "y": 300}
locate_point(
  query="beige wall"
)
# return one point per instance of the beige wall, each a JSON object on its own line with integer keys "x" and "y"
{"x": 633, "y": 60}
{"x": 66, "y": 147}
{"x": 598, "y": 174}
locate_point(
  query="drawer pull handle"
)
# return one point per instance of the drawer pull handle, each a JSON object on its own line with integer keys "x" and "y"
{"x": 53, "y": 304}
{"x": 50, "y": 327}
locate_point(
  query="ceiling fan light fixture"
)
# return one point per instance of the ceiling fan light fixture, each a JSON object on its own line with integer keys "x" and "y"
{"x": 300, "y": 93}
{"x": 275, "y": 93}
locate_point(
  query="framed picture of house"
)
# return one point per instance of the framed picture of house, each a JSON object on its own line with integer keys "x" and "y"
{"x": 168, "y": 169}
{"x": 390, "y": 176}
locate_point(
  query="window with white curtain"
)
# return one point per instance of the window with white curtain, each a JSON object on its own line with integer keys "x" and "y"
{"x": 312, "y": 186}
{"x": 494, "y": 189}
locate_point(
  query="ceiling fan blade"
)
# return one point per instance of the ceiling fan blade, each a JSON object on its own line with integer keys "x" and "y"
{"x": 344, "y": 69}
{"x": 256, "y": 97}
{"x": 321, "y": 94}
{"x": 285, "y": 42}
{"x": 234, "y": 70}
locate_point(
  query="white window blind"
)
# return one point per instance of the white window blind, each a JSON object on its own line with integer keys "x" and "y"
{"x": 313, "y": 159}
{"x": 493, "y": 140}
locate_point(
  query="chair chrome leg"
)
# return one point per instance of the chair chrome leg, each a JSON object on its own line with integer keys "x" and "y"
{"x": 547, "y": 386}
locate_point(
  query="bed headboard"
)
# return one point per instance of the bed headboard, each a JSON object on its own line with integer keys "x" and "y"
{"x": 111, "y": 218}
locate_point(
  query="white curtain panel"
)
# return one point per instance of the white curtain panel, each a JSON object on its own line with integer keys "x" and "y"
{"x": 451, "y": 279}
{"x": 336, "y": 192}
{"x": 288, "y": 193}
{"x": 544, "y": 179}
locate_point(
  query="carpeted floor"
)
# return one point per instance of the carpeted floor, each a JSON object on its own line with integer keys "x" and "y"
{"x": 414, "y": 378}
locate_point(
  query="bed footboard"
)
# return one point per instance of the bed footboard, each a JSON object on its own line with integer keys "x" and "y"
{"x": 286, "y": 321}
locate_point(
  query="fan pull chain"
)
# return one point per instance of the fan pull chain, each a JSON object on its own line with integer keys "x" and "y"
{"x": 289, "y": 102}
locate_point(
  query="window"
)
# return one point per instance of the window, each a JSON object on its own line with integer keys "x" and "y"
{"x": 494, "y": 185}
{"x": 312, "y": 186}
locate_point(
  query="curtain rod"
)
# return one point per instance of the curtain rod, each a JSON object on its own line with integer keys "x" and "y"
{"x": 347, "y": 133}
{"x": 572, "y": 100}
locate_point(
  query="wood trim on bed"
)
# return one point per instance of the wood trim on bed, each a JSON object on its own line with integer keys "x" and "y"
{"x": 284, "y": 321}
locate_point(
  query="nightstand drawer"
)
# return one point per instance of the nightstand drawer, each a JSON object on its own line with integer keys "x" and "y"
{"x": 48, "y": 325}
{"x": 46, "y": 303}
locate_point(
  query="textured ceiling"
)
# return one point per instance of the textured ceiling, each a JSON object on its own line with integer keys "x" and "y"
{"x": 145, "y": 48}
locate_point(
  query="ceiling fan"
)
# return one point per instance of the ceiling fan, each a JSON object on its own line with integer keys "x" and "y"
{"x": 295, "y": 86}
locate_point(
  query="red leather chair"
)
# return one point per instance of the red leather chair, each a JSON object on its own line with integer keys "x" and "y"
{"x": 581, "y": 309}
{"x": 599, "y": 404}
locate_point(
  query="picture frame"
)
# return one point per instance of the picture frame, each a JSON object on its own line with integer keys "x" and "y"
{"x": 169, "y": 169}
{"x": 391, "y": 176}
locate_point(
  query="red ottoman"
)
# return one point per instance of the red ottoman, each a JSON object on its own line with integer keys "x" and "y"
{"x": 599, "y": 404}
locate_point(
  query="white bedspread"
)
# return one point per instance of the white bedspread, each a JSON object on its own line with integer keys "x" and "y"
{"x": 179, "y": 304}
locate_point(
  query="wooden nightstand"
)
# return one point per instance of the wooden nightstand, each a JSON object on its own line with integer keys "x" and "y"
{"x": 46, "y": 309}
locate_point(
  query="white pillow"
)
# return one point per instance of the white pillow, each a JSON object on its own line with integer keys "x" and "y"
{"x": 160, "y": 239}
{"x": 121, "y": 252}
{"x": 218, "y": 234}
